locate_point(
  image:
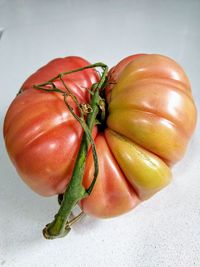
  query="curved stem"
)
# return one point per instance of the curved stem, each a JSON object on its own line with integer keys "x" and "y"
{"x": 89, "y": 136}
{"x": 75, "y": 191}
{"x": 96, "y": 65}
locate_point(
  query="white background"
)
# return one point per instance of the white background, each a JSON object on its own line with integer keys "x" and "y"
{"x": 164, "y": 231}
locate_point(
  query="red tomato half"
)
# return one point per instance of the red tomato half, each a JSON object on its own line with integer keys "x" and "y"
{"x": 151, "y": 118}
{"x": 41, "y": 135}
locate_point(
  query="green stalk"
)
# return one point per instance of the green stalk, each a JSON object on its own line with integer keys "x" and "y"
{"x": 75, "y": 191}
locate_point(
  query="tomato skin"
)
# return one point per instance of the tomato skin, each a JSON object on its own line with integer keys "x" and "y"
{"x": 151, "y": 118}
{"x": 41, "y": 135}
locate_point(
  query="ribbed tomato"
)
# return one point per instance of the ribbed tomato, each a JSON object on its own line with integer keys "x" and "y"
{"x": 151, "y": 117}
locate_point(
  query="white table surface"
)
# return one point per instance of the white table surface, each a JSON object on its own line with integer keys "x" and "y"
{"x": 164, "y": 231}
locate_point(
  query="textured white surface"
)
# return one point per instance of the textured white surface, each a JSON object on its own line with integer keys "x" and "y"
{"x": 165, "y": 231}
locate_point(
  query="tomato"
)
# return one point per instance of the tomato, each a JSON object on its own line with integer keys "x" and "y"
{"x": 151, "y": 118}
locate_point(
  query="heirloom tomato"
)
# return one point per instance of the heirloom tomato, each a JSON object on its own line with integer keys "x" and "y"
{"x": 151, "y": 117}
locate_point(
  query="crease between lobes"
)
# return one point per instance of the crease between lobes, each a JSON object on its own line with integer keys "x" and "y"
{"x": 157, "y": 135}
{"x": 152, "y": 66}
{"x": 176, "y": 106}
{"x": 112, "y": 194}
{"x": 146, "y": 172}
{"x": 38, "y": 130}
{"x": 55, "y": 153}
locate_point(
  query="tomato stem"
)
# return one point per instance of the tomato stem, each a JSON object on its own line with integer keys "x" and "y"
{"x": 75, "y": 191}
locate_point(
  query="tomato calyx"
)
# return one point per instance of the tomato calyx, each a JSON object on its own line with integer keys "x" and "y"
{"x": 87, "y": 118}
